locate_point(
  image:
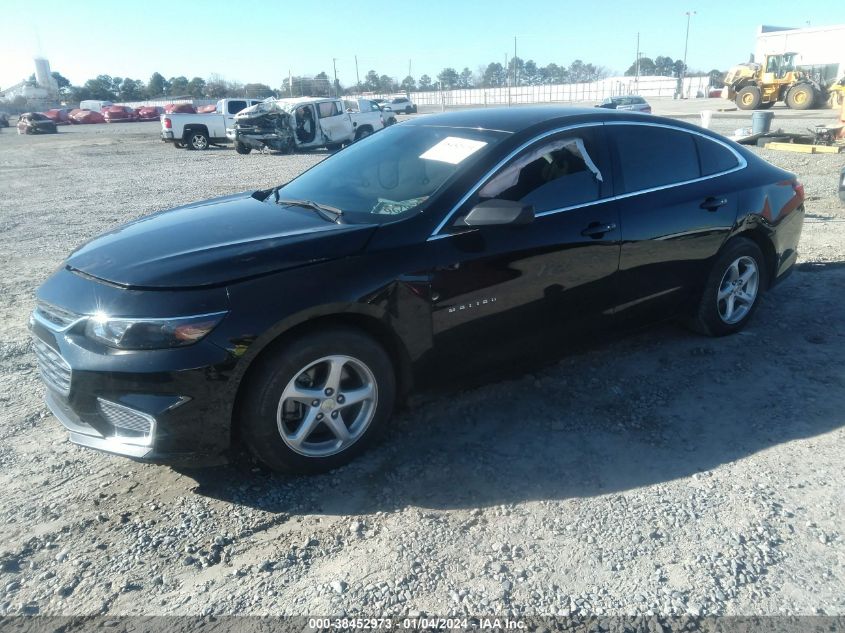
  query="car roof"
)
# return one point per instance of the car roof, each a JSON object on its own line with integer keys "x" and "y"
{"x": 507, "y": 119}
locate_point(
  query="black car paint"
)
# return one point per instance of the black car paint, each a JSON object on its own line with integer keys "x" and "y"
{"x": 429, "y": 300}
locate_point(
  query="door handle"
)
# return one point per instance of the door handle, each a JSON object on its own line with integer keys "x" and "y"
{"x": 712, "y": 203}
{"x": 597, "y": 229}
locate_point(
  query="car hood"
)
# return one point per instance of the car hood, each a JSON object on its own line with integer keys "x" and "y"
{"x": 215, "y": 242}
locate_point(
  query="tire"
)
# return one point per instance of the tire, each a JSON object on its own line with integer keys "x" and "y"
{"x": 240, "y": 148}
{"x": 748, "y": 98}
{"x": 716, "y": 314}
{"x": 196, "y": 140}
{"x": 408, "y": 110}
{"x": 801, "y": 97}
{"x": 363, "y": 132}
{"x": 279, "y": 399}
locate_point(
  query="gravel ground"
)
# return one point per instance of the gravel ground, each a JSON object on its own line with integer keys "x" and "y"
{"x": 663, "y": 473}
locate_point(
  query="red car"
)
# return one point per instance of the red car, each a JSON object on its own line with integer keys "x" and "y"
{"x": 59, "y": 116}
{"x": 207, "y": 109}
{"x": 149, "y": 113}
{"x": 85, "y": 116}
{"x": 182, "y": 108}
{"x": 120, "y": 114}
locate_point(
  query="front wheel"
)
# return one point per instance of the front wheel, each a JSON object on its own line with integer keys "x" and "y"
{"x": 240, "y": 148}
{"x": 318, "y": 401}
{"x": 733, "y": 289}
{"x": 749, "y": 98}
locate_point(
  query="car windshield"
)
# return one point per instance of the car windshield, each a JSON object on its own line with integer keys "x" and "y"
{"x": 392, "y": 173}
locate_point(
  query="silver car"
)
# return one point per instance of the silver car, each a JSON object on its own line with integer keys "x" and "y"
{"x": 634, "y": 103}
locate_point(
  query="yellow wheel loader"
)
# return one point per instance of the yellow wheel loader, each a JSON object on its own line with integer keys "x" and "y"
{"x": 759, "y": 86}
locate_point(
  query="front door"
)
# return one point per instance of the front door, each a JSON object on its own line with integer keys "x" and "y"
{"x": 517, "y": 288}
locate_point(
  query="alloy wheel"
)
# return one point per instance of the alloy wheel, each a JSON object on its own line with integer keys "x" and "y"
{"x": 327, "y": 406}
{"x": 738, "y": 290}
{"x": 198, "y": 141}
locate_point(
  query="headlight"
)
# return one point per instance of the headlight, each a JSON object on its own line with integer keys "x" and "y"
{"x": 151, "y": 333}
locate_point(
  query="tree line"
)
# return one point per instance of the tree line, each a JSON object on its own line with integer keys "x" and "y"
{"x": 516, "y": 72}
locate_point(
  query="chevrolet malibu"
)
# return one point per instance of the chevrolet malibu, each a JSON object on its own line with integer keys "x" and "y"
{"x": 297, "y": 317}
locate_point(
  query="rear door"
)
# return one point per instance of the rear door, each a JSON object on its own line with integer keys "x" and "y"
{"x": 675, "y": 210}
{"x": 502, "y": 286}
{"x": 335, "y": 123}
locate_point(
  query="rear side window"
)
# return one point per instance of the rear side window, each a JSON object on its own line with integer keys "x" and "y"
{"x": 715, "y": 158}
{"x": 327, "y": 109}
{"x": 560, "y": 172}
{"x": 236, "y": 106}
{"x": 653, "y": 156}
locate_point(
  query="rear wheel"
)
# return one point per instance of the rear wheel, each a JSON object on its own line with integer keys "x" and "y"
{"x": 749, "y": 98}
{"x": 197, "y": 140}
{"x": 240, "y": 148}
{"x": 318, "y": 401}
{"x": 801, "y": 97}
{"x": 363, "y": 132}
{"x": 733, "y": 289}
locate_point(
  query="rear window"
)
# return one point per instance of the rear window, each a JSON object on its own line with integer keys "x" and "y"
{"x": 715, "y": 158}
{"x": 652, "y": 156}
{"x": 236, "y": 106}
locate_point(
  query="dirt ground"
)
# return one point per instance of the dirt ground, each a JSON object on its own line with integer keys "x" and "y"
{"x": 660, "y": 473}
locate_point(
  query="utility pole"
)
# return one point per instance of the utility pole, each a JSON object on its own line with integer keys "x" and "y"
{"x": 357, "y": 77}
{"x": 508, "y": 79}
{"x": 683, "y": 72}
{"x": 637, "y": 79}
{"x": 515, "y": 77}
{"x": 334, "y": 66}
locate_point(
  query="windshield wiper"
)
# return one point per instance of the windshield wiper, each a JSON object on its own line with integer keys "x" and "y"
{"x": 329, "y": 213}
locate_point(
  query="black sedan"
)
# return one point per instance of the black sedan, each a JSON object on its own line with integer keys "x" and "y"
{"x": 297, "y": 317}
{"x": 36, "y": 123}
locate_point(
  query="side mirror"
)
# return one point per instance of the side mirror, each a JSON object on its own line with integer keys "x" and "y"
{"x": 500, "y": 212}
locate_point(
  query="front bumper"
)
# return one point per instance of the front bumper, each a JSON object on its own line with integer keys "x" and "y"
{"x": 164, "y": 406}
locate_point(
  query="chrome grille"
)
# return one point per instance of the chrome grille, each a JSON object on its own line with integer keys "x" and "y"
{"x": 58, "y": 317}
{"x": 54, "y": 370}
{"x": 125, "y": 419}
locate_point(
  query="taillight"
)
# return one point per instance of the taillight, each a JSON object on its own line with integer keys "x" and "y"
{"x": 167, "y": 124}
{"x": 798, "y": 188}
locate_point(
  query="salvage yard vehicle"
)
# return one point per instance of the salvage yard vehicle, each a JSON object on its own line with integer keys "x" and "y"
{"x": 79, "y": 116}
{"x": 199, "y": 131}
{"x": 35, "y": 123}
{"x": 296, "y": 317}
{"x": 59, "y": 116}
{"x": 120, "y": 114}
{"x": 378, "y": 118}
{"x": 633, "y": 103}
{"x": 95, "y": 105}
{"x": 400, "y": 104}
{"x": 149, "y": 113}
{"x": 287, "y": 125}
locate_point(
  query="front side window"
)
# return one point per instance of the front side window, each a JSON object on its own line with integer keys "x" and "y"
{"x": 651, "y": 156}
{"x": 557, "y": 173}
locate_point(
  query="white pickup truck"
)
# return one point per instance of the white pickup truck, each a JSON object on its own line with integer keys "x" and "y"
{"x": 199, "y": 131}
{"x": 287, "y": 125}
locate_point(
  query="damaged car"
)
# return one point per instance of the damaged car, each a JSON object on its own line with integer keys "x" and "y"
{"x": 288, "y": 125}
{"x": 35, "y": 123}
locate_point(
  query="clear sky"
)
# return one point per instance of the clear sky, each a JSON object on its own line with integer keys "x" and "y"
{"x": 260, "y": 40}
